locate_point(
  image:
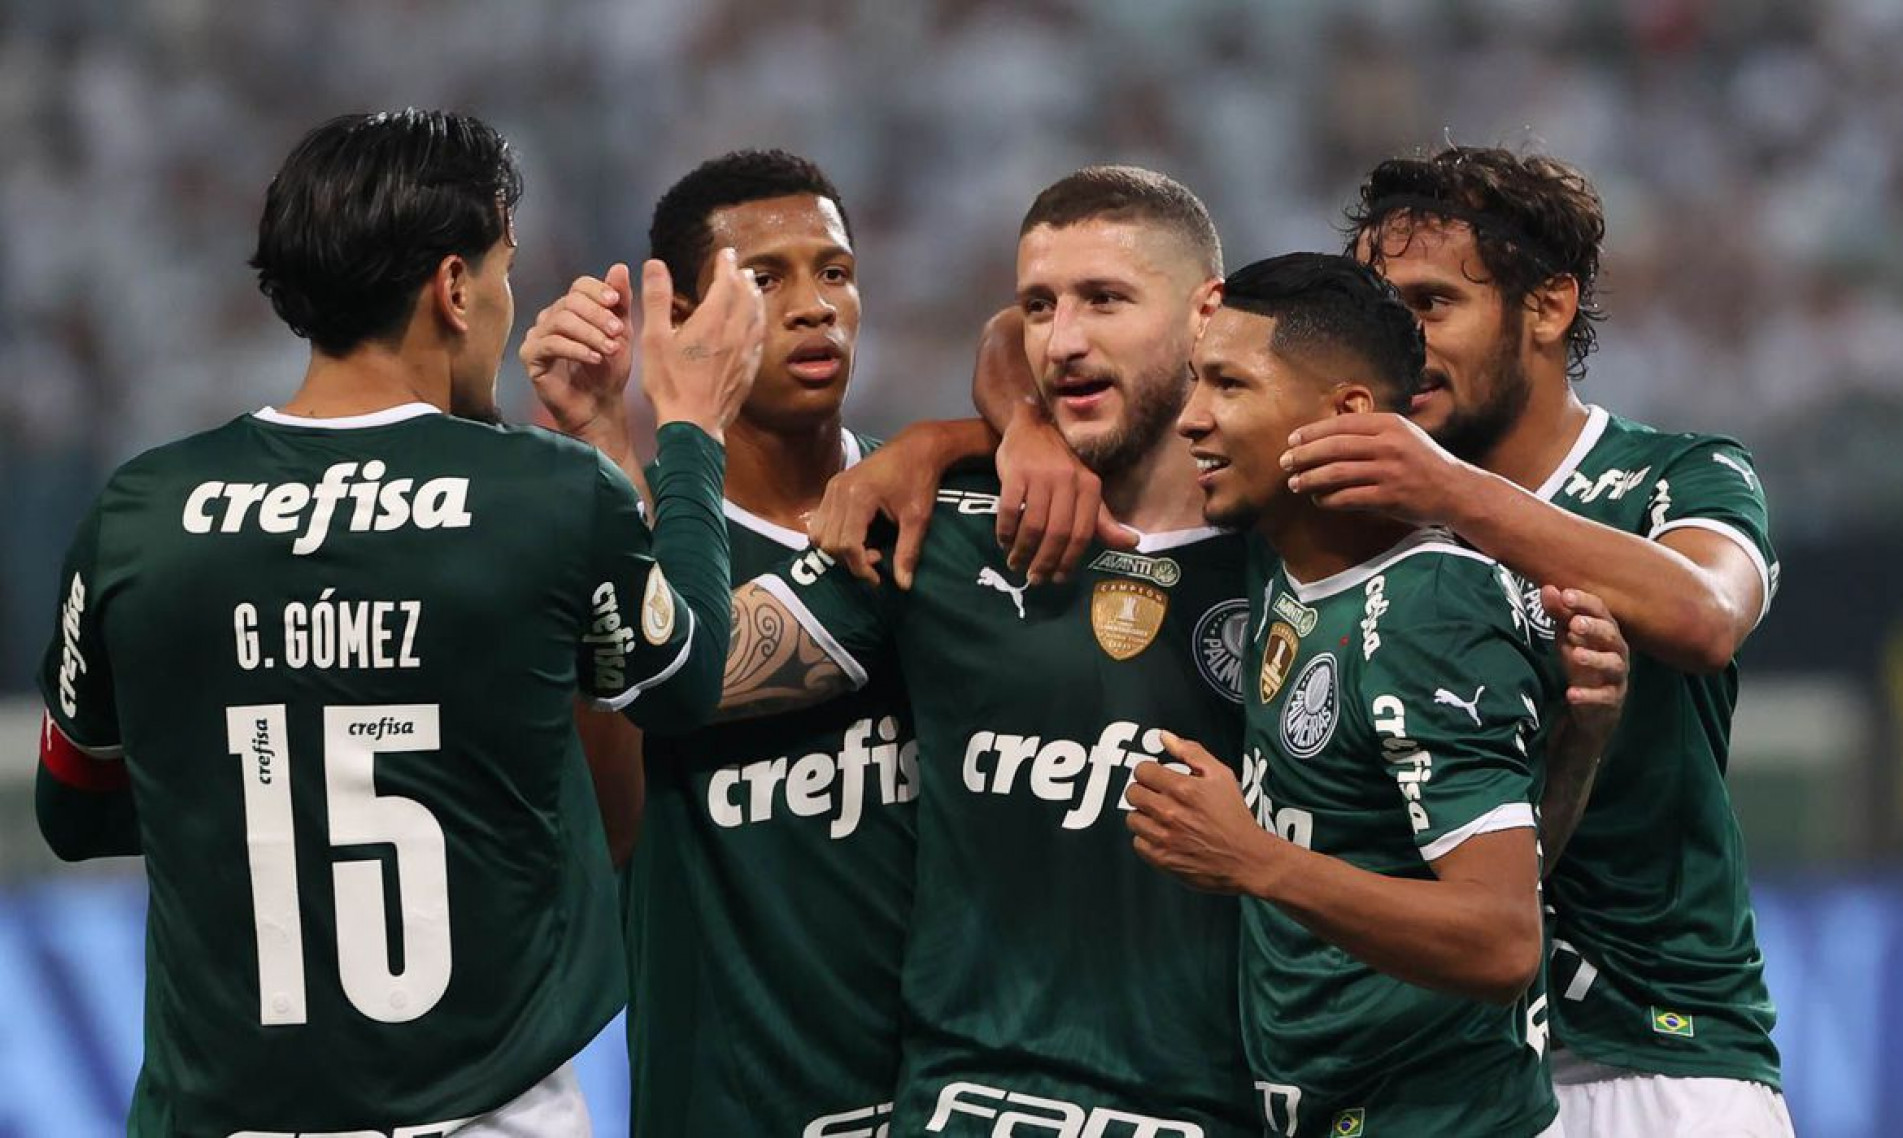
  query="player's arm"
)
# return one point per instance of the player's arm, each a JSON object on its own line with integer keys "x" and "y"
{"x": 1689, "y": 597}
{"x": 899, "y": 481}
{"x": 82, "y": 793}
{"x": 612, "y": 746}
{"x": 1473, "y": 929}
{"x": 775, "y": 663}
{"x": 1595, "y": 662}
{"x": 83, "y": 800}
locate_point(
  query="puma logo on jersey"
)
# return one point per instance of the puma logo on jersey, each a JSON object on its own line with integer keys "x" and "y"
{"x": 306, "y": 510}
{"x": 1744, "y": 472}
{"x": 819, "y": 784}
{"x": 1613, "y": 484}
{"x": 72, "y": 665}
{"x": 991, "y": 578}
{"x": 1470, "y": 706}
{"x": 1063, "y": 771}
{"x": 1019, "y": 1113}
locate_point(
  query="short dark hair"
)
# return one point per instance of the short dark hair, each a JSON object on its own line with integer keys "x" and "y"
{"x": 681, "y": 234}
{"x": 1322, "y": 300}
{"x": 1129, "y": 194}
{"x": 366, "y": 207}
{"x": 1533, "y": 218}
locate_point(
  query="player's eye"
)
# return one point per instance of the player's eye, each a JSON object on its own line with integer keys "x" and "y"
{"x": 1036, "y": 307}
{"x": 766, "y": 280}
{"x": 836, "y": 275}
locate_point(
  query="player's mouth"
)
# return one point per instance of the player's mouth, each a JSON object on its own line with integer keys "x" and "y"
{"x": 1432, "y": 383}
{"x": 816, "y": 361}
{"x": 1081, "y": 393}
{"x": 1208, "y": 467}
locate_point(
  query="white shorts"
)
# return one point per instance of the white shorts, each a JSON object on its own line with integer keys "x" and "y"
{"x": 552, "y": 1108}
{"x": 1597, "y": 1101}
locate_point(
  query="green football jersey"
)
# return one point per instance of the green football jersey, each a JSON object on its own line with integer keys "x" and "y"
{"x": 340, "y": 658}
{"x": 1053, "y": 981}
{"x": 767, "y": 905}
{"x": 1656, "y": 964}
{"x": 1394, "y": 710}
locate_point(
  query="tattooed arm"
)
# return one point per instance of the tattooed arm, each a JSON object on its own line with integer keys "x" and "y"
{"x": 773, "y": 663}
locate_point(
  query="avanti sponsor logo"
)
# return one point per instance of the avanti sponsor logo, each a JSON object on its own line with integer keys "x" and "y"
{"x": 308, "y": 510}
{"x": 1162, "y": 571}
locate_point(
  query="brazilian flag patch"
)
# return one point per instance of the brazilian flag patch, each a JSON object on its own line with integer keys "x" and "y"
{"x": 1673, "y": 1023}
{"x": 1350, "y": 1123}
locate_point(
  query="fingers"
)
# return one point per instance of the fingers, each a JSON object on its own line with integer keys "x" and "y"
{"x": 657, "y": 301}
{"x": 1365, "y": 423}
{"x": 600, "y": 337}
{"x": 839, "y": 528}
{"x": 1188, "y": 752}
{"x": 1112, "y": 532}
{"x": 913, "y": 522}
{"x": 619, "y": 297}
{"x": 1060, "y": 511}
{"x": 1010, "y": 507}
{"x": 1031, "y": 525}
{"x": 1083, "y": 528}
{"x": 1335, "y": 475}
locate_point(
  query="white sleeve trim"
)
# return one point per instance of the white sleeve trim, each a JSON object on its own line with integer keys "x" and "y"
{"x": 1734, "y": 533}
{"x": 782, "y": 592}
{"x": 1507, "y": 816}
{"x": 616, "y": 703}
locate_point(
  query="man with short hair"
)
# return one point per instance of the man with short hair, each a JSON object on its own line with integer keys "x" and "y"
{"x": 317, "y": 666}
{"x": 793, "y": 831}
{"x": 1660, "y": 1011}
{"x": 1051, "y": 979}
{"x": 1383, "y": 834}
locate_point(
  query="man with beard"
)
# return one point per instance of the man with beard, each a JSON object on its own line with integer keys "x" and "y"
{"x": 1051, "y": 979}
{"x": 793, "y": 830}
{"x": 1660, "y": 1007}
{"x": 317, "y": 665}
{"x": 1383, "y": 831}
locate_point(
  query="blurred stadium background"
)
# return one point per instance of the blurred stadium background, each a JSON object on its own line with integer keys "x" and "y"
{"x": 1750, "y": 153}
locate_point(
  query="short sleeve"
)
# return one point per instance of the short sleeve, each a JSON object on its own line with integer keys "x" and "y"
{"x": 1714, "y": 486}
{"x": 851, "y": 620}
{"x": 75, "y": 674}
{"x": 1458, "y": 705}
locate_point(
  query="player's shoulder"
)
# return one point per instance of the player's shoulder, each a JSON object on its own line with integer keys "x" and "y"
{"x": 1629, "y": 437}
{"x": 1433, "y": 577}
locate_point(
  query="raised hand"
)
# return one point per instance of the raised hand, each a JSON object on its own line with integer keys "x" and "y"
{"x": 1196, "y": 825}
{"x": 578, "y": 354}
{"x": 1050, "y": 504}
{"x": 701, "y": 372}
{"x": 1379, "y": 462}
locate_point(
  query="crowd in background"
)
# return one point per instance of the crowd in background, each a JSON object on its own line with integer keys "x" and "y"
{"x": 1750, "y": 154}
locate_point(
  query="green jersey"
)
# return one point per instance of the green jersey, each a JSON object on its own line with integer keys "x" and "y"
{"x": 1656, "y": 964}
{"x": 1395, "y": 710}
{"x": 1052, "y": 979}
{"x": 796, "y": 832}
{"x": 340, "y": 659}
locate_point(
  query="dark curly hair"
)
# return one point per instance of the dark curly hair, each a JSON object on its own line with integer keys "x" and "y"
{"x": 1323, "y": 300}
{"x": 366, "y": 207}
{"x": 680, "y": 234}
{"x": 1128, "y": 193}
{"x": 1534, "y": 218}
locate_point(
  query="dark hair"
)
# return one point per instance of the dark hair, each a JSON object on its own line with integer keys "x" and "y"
{"x": 1128, "y": 193}
{"x": 364, "y": 210}
{"x": 681, "y": 235}
{"x": 1321, "y": 300}
{"x": 1533, "y": 218}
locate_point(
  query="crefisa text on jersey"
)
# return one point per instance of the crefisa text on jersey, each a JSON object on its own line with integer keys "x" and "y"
{"x": 298, "y": 507}
{"x": 331, "y": 632}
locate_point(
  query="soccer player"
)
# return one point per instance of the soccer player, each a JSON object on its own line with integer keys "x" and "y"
{"x": 793, "y": 831}
{"x": 317, "y": 665}
{"x": 1660, "y": 1012}
{"x": 1383, "y": 831}
{"x": 1051, "y": 979}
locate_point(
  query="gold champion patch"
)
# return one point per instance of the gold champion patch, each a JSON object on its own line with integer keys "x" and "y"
{"x": 657, "y": 609}
{"x": 1126, "y": 616}
{"x": 1277, "y": 655}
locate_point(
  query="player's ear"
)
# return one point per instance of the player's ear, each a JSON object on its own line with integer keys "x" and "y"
{"x": 449, "y": 292}
{"x": 1551, "y": 307}
{"x": 1352, "y": 399}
